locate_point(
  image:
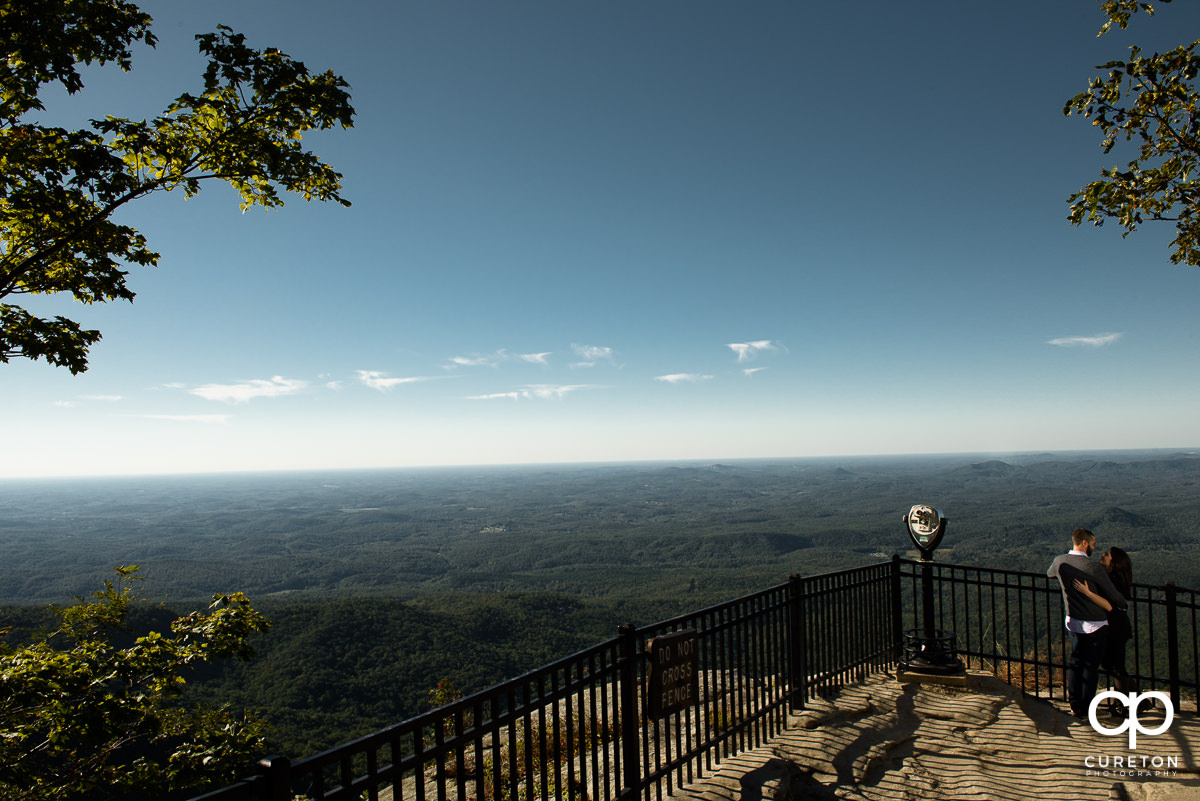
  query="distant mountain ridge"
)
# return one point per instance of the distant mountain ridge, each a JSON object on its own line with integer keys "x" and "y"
{"x": 1118, "y": 516}
{"x": 993, "y": 468}
{"x": 1052, "y": 468}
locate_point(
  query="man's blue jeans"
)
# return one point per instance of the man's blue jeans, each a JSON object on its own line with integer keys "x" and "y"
{"x": 1083, "y": 671}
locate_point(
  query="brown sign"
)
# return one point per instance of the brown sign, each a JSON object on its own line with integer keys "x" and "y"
{"x": 674, "y": 679}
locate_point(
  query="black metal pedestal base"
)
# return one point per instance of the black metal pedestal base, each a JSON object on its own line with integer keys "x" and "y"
{"x": 933, "y": 655}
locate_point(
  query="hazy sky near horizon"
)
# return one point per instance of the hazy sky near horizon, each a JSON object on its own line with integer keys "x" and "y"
{"x": 624, "y": 231}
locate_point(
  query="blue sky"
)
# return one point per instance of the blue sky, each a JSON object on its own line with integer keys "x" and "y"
{"x": 622, "y": 231}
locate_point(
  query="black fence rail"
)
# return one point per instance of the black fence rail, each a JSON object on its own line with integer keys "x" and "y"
{"x": 582, "y": 727}
{"x": 586, "y": 727}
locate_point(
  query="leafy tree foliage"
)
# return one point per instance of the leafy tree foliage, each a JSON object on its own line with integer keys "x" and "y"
{"x": 1150, "y": 101}
{"x": 59, "y": 188}
{"x": 81, "y": 712}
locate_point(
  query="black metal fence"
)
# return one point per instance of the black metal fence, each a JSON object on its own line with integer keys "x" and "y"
{"x": 1011, "y": 623}
{"x": 581, "y": 728}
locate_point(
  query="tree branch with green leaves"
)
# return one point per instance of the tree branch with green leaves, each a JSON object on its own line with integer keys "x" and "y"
{"x": 1149, "y": 103}
{"x": 82, "y": 713}
{"x": 59, "y": 188}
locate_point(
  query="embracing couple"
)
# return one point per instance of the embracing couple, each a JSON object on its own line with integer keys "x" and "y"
{"x": 1096, "y": 596}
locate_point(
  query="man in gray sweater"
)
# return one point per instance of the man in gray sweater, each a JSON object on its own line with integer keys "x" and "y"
{"x": 1087, "y": 622}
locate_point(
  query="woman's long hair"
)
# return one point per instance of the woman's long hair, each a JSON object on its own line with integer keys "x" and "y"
{"x": 1120, "y": 570}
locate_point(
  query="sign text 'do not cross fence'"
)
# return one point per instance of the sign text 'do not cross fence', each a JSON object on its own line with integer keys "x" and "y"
{"x": 673, "y": 680}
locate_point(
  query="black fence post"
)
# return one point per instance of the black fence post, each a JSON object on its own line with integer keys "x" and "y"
{"x": 277, "y": 771}
{"x": 897, "y": 610}
{"x": 631, "y": 752}
{"x": 1173, "y": 644}
{"x": 797, "y": 646}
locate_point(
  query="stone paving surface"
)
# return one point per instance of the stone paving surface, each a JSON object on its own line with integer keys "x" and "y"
{"x": 889, "y": 739}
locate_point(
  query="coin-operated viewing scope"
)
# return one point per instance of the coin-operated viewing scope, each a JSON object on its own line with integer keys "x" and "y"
{"x": 928, "y": 650}
{"x": 926, "y": 526}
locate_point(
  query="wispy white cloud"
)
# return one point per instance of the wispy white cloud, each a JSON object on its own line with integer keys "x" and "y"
{"x": 591, "y": 355}
{"x": 1097, "y": 341}
{"x": 552, "y": 391}
{"x": 474, "y": 361}
{"x": 533, "y": 392}
{"x": 587, "y": 355}
{"x": 753, "y": 370}
{"x": 496, "y": 396}
{"x": 683, "y": 378}
{"x": 496, "y": 359}
{"x": 380, "y": 381}
{"x": 71, "y": 404}
{"x": 249, "y": 390}
{"x": 206, "y": 419}
{"x": 747, "y": 351}
{"x": 534, "y": 358}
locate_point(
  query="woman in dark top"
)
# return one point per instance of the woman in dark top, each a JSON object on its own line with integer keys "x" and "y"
{"x": 1120, "y": 570}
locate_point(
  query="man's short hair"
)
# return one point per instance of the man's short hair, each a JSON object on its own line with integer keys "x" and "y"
{"x": 1081, "y": 535}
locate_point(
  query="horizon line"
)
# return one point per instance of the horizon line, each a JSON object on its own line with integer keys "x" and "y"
{"x": 295, "y": 471}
